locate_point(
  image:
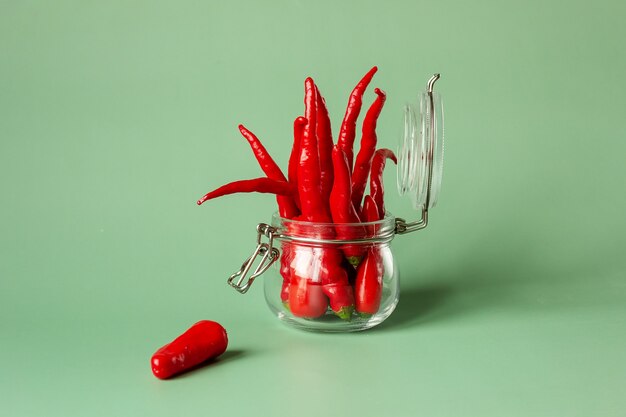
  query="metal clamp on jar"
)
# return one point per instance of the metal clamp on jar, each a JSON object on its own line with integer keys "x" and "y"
{"x": 307, "y": 289}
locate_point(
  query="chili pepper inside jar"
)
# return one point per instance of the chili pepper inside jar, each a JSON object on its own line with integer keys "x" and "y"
{"x": 337, "y": 272}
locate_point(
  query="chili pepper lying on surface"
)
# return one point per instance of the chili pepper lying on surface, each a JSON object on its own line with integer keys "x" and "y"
{"x": 347, "y": 132}
{"x": 369, "y": 279}
{"x": 256, "y": 185}
{"x": 368, "y": 147}
{"x": 203, "y": 341}
{"x": 376, "y": 178}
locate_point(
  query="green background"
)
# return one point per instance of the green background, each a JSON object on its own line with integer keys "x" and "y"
{"x": 116, "y": 116}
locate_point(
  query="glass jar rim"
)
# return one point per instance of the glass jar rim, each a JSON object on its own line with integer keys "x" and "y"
{"x": 379, "y": 231}
{"x": 388, "y": 219}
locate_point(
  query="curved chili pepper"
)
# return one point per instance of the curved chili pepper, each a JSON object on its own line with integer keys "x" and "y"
{"x": 286, "y": 204}
{"x": 347, "y": 132}
{"x": 313, "y": 208}
{"x": 335, "y": 282}
{"x": 341, "y": 208}
{"x": 377, "y": 190}
{"x": 256, "y": 185}
{"x": 292, "y": 170}
{"x": 325, "y": 145}
{"x": 368, "y": 147}
{"x": 368, "y": 286}
{"x": 203, "y": 341}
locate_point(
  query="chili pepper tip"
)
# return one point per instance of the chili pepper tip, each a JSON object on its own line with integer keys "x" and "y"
{"x": 372, "y": 71}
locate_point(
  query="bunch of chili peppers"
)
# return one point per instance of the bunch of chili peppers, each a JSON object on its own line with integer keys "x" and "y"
{"x": 325, "y": 184}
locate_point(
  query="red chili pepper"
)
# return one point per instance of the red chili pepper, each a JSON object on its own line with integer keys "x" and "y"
{"x": 286, "y": 204}
{"x": 335, "y": 282}
{"x": 256, "y": 185}
{"x": 203, "y": 341}
{"x": 294, "y": 158}
{"x": 370, "y": 214}
{"x": 306, "y": 297}
{"x": 369, "y": 284}
{"x": 341, "y": 207}
{"x": 313, "y": 208}
{"x": 376, "y": 178}
{"x": 368, "y": 287}
{"x": 347, "y": 131}
{"x": 325, "y": 145}
{"x": 368, "y": 147}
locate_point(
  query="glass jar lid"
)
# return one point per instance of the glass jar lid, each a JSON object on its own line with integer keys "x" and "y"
{"x": 420, "y": 152}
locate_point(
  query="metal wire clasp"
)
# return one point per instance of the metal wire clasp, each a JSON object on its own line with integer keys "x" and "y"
{"x": 268, "y": 253}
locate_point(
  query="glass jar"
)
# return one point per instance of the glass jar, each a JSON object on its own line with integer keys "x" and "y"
{"x": 343, "y": 277}
{"x": 325, "y": 284}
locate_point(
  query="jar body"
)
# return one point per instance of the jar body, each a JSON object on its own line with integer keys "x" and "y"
{"x": 322, "y": 283}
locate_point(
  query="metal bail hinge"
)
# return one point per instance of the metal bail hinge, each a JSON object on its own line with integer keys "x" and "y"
{"x": 268, "y": 253}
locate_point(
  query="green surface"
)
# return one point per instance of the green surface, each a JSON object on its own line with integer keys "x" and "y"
{"x": 116, "y": 116}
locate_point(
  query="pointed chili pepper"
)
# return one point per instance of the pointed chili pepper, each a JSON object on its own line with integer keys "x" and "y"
{"x": 369, "y": 284}
{"x": 313, "y": 208}
{"x": 325, "y": 145}
{"x": 347, "y": 132}
{"x": 286, "y": 204}
{"x": 376, "y": 178}
{"x": 256, "y": 185}
{"x": 294, "y": 158}
{"x": 341, "y": 208}
{"x": 368, "y": 147}
{"x": 369, "y": 214}
{"x": 368, "y": 287}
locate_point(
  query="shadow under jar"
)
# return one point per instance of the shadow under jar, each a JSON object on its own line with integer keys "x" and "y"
{"x": 323, "y": 283}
